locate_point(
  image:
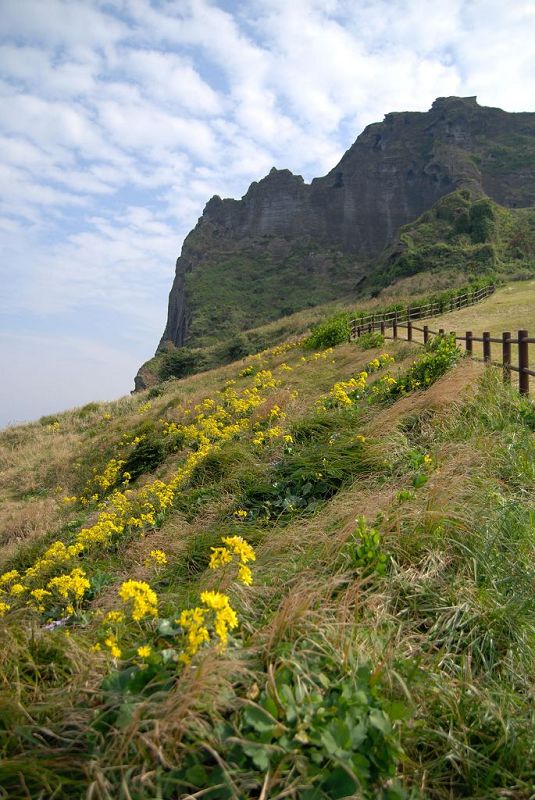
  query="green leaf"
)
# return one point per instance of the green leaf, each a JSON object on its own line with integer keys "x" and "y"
{"x": 379, "y": 720}
{"x": 258, "y": 719}
{"x": 397, "y": 710}
{"x": 324, "y": 680}
{"x": 124, "y": 717}
{"x": 329, "y": 742}
{"x": 339, "y": 784}
{"x": 269, "y": 704}
{"x": 259, "y": 756}
{"x": 197, "y": 775}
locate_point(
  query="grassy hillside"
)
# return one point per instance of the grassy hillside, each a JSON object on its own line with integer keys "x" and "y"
{"x": 470, "y": 236}
{"x": 183, "y": 361}
{"x": 309, "y": 575}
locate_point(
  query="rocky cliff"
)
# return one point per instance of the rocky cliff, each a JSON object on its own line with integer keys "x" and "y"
{"x": 287, "y": 244}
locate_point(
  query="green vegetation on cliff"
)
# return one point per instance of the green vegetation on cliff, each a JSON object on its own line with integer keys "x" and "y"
{"x": 254, "y": 286}
{"x": 465, "y": 235}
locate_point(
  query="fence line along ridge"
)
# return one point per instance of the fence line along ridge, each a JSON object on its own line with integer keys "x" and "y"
{"x": 522, "y": 341}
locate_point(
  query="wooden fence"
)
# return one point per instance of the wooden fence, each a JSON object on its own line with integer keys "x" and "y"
{"x": 522, "y": 342}
{"x": 394, "y": 318}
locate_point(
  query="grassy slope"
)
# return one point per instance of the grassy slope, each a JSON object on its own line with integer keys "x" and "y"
{"x": 448, "y": 629}
{"x": 511, "y": 308}
{"x": 405, "y": 291}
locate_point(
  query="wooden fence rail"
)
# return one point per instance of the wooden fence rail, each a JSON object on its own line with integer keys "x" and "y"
{"x": 522, "y": 342}
{"x": 394, "y": 318}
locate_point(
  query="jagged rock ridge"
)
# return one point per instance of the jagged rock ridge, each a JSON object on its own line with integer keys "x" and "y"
{"x": 287, "y": 244}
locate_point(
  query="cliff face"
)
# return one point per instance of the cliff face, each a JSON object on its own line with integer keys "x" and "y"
{"x": 287, "y": 244}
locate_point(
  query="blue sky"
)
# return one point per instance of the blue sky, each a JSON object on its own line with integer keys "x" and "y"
{"x": 120, "y": 119}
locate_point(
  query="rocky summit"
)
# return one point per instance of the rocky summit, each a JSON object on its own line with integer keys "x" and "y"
{"x": 288, "y": 245}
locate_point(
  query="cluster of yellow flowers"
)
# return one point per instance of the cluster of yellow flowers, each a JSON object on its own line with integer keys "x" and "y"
{"x": 279, "y": 349}
{"x": 384, "y": 384}
{"x": 214, "y": 614}
{"x": 236, "y": 549}
{"x": 141, "y": 598}
{"x": 156, "y": 557}
{"x": 99, "y": 484}
{"x": 339, "y": 395}
{"x": 144, "y": 407}
{"x": 62, "y": 590}
{"x": 195, "y": 622}
{"x": 211, "y": 423}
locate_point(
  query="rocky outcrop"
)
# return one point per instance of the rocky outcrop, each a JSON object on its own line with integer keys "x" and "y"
{"x": 330, "y": 231}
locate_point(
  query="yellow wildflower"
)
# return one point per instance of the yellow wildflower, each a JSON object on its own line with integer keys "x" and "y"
{"x": 192, "y": 620}
{"x": 219, "y": 557}
{"x": 240, "y": 547}
{"x": 158, "y": 557}
{"x": 9, "y": 577}
{"x": 114, "y": 617}
{"x": 245, "y": 575}
{"x": 74, "y": 584}
{"x": 144, "y": 651}
{"x": 111, "y": 644}
{"x": 144, "y": 599}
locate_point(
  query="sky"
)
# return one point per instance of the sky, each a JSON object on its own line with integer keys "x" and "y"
{"x": 119, "y": 119}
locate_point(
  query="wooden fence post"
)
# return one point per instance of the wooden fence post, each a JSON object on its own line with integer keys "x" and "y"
{"x": 523, "y": 362}
{"x": 469, "y": 343}
{"x": 506, "y": 356}
{"x": 395, "y": 325}
{"x": 486, "y": 347}
{"x": 441, "y": 331}
{"x": 382, "y": 327}
{"x": 409, "y": 330}
{"x": 426, "y": 334}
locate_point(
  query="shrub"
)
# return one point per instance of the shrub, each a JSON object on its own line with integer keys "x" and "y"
{"x": 88, "y": 409}
{"x": 330, "y": 333}
{"x": 179, "y": 363}
{"x": 440, "y": 355}
{"x": 370, "y": 340}
{"x": 311, "y": 472}
{"x": 363, "y": 551}
{"x": 145, "y": 457}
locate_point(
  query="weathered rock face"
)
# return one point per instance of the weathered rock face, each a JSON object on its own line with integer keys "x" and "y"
{"x": 328, "y": 232}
